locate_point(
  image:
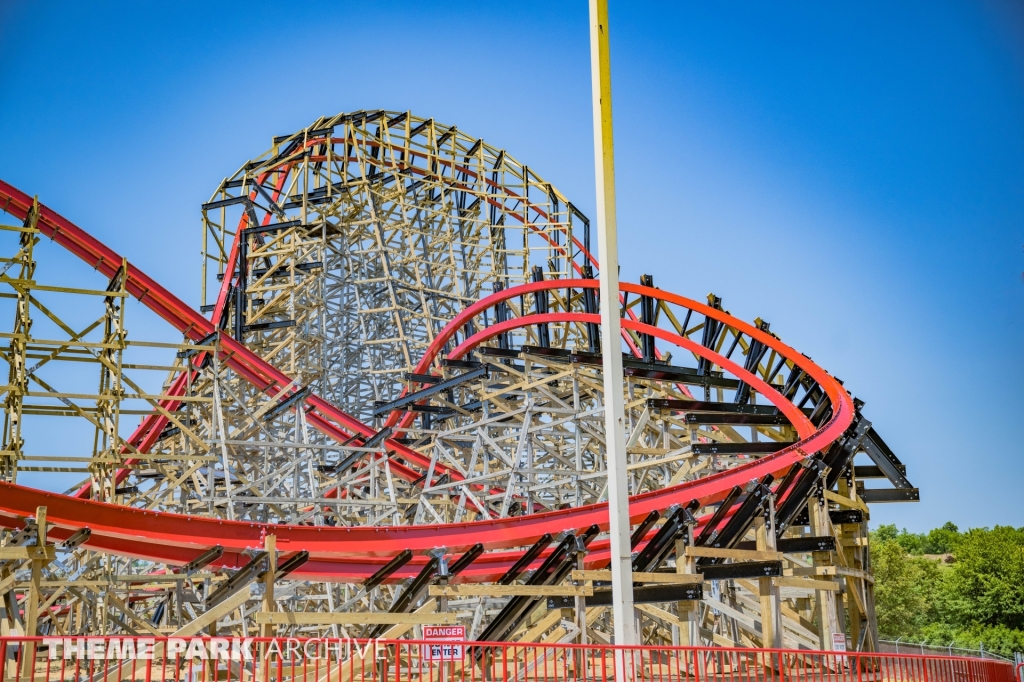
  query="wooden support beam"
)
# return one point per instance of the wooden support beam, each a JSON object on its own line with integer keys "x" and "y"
{"x": 829, "y": 570}
{"x": 652, "y": 610}
{"x": 28, "y": 552}
{"x": 825, "y": 609}
{"x": 35, "y": 589}
{"x": 269, "y": 604}
{"x": 396, "y": 631}
{"x": 737, "y": 554}
{"x": 362, "y": 618}
{"x": 642, "y": 577}
{"x": 35, "y": 594}
{"x": 132, "y": 616}
{"x": 213, "y": 615}
{"x": 768, "y": 591}
{"x": 534, "y": 632}
{"x": 808, "y": 584}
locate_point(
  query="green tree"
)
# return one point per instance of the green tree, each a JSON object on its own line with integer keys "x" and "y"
{"x": 985, "y": 585}
{"x": 941, "y": 540}
{"x": 977, "y": 601}
{"x": 904, "y": 589}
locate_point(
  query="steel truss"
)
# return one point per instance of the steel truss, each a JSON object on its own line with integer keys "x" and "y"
{"x": 403, "y": 337}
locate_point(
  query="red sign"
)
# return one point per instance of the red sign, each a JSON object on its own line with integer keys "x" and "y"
{"x": 446, "y": 643}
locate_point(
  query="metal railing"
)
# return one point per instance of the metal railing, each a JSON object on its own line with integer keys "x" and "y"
{"x": 901, "y": 646}
{"x": 211, "y": 659}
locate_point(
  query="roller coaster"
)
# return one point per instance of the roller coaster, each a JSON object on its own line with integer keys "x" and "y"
{"x": 387, "y": 412}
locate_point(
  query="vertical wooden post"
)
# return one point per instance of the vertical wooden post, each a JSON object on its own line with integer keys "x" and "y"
{"x": 688, "y": 608}
{"x": 771, "y": 608}
{"x": 581, "y": 604}
{"x": 17, "y": 380}
{"x": 34, "y": 594}
{"x": 825, "y": 600}
{"x": 269, "y": 605}
{"x": 34, "y": 589}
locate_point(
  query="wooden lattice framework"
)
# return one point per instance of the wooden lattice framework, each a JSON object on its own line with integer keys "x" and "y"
{"x": 367, "y": 257}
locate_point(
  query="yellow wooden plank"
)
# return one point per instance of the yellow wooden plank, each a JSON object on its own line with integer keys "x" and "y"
{"x": 846, "y": 501}
{"x": 641, "y": 577}
{"x": 363, "y": 618}
{"x": 807, "y": 584}
{"x": 740, "y": 554}
{"x": 48, "y": 553}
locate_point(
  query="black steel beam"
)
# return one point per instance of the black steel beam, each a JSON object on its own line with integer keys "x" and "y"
{"x": 810, "y": 543}
{"x": 885, "y": 459}
{"x": 385, "y": 571}
{"x": 795, "y": 501}
{"x": 423, "y": 378}
{"x": 240, "y": 578}
{"x": 290, "y": 564}
{"x": 649, "y": 594}
{"x": 461, "y": 364}
{"x": 263, "y": 326}
{"x": 410, "y": 594}
{"x": 543, "y": 350}
{"x": 843, "y": 516}
{"x": 876, "y": 495}
{"x": 739, "y": 448}
{"x": 690, "y": 406}
{"x": 203, "y": 560}
{"x": 498, "y": 352}
{"x": 746, "y": 569}
{"x": 429, "y": 391}
{"x": 525, "y": 560}
{"x": 716, "y": 518}
{"x": 77, "y": 539}
{"x": 287, "y": 403}
{"x": 870, "y": 471}
{"x": 657, "y": 371}
{"x": 736, "y": 527}
{"x": 747, "y": 419}
{"x": 683, "y": 375}
{"x": 838, "y": 517}
{"x": 273, "y": 227}
{"x": 230, "y": 201}
{"x": 466, "y": 559}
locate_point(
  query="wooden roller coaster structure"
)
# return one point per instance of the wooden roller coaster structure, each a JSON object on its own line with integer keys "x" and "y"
{"x": 387, "y": 412}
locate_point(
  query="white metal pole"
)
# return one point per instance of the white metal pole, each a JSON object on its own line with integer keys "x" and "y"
{"x": 611, "y": 332}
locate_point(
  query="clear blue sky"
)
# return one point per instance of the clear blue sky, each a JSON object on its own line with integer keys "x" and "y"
{"x": 853, "y": 173}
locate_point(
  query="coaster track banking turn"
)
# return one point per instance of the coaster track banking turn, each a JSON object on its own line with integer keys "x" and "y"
{"x": 821, "y": 414}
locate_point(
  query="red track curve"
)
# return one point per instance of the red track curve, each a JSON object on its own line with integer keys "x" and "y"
{"x": 346, "y": 553}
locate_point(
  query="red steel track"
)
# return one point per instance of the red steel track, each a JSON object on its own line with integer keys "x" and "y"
{"x": 355, "y": 553}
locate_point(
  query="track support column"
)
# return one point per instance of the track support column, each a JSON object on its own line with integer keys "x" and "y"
{"x": 269, "y": 604}
{"x": 825, "y": 609}
{"x": 611, "y": 333}
{"x": 768, "y": 591}
{"x": 35, "y": 594}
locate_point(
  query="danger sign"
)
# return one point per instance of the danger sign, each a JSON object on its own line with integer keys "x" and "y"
{"x": 446, "y": 643}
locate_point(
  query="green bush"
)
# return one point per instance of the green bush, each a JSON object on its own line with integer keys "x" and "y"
{"x": 997, "y": 639}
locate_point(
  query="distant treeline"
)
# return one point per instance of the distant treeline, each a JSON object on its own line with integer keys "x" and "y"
{"x": 971, "y": 594}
